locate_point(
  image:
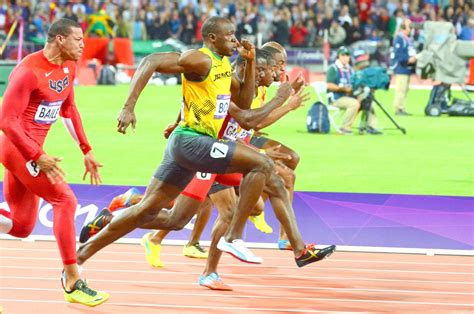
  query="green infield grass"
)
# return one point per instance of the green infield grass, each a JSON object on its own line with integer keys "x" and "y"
{"x": 436, "y": 156}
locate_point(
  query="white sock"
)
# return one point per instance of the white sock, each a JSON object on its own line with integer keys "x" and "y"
{"x": 6, "y": 224}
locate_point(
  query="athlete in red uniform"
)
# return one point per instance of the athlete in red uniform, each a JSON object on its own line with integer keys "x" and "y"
{"x": 40, "y": 90}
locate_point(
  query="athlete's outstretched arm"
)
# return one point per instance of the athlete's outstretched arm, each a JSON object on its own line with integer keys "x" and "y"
{"x": 296, "y": 101}
{"x": 149, "y": 65}
{"x": 192, "y": 63}
{"x": 250, "y": 118}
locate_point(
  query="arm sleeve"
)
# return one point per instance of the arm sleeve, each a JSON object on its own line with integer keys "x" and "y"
{"x": 72, "y": 121}
{"x": 331, "y": 76}
{"x": 15, "y": 101}
{"x": 401, "y": 51}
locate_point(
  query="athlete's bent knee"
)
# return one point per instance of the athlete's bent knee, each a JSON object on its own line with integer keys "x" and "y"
{"x": 276, "y": 185}
{"x": 21, "y": 231}
{"x": 294, "y": 161}
{"x": 266, "y": 166}
{"x": 145, "y": 211}
{"x": 226, "y": 215}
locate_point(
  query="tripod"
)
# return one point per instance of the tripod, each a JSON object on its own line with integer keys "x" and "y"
{"x": 366, "y": 106}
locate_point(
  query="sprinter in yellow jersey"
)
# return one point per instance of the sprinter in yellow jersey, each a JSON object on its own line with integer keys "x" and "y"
{"x": 185, "y": 207}
{"x": 192, "y": 146}
{"x": 187, "y": 203}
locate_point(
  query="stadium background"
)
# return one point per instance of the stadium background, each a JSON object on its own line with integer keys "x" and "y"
{"x": 434, "y": 158}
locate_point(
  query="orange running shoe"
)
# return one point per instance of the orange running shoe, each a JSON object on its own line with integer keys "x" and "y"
{"x": 123, "y": 200}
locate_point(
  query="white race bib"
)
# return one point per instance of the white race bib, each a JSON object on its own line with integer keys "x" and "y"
{"x": 203, "y": 176}
{"x": 48, "y": 112}
{"x": 222, "y": 106}
{"x": 33, "y": 168}
{"x": 219, "y": 150}
{"x": 230, "y": 132}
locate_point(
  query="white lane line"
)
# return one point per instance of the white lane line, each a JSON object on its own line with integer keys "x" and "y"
{"x": 266, "y": 309}
{"x": 171, "y": 306}
{"x": 333, "y": 258}
{"x": 210, "y": 294}
{"x": 115, "y": 270}
{"x": 223, "y": 264}
{"x": 152, "y": 282}
{"x": 261, "y": 245}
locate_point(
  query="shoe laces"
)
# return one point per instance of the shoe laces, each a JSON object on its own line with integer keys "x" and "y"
{"x": 310, "y": 247}
{"x": 199, "y": 247}
{"x": 215, "y": 277}
{"x": 81, "y": 285}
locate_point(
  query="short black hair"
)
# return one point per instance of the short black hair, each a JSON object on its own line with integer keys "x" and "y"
{"x": 271, "y": 50}
{"x": 61, "y": 27}
{"x": 211, "y": 25}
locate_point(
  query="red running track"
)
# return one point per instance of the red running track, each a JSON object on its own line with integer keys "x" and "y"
{"x": 346, "y": 282}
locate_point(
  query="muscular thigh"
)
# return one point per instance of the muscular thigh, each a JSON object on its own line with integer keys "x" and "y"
{"x": 187, "y": 154}
{"x": 272, "y": 143}
{"x": 20, "y": 200}
{"x": 246, "y": 159}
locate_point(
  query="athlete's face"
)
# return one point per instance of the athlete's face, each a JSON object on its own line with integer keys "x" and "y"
{"x": 72, "y": 45}
{"x": 226, "y": 43}
{"x": 265, "y": 74}
{"x": 280, "y": 62}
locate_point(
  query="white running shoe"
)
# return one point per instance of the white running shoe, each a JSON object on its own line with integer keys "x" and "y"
{"x": 238, "y": 250}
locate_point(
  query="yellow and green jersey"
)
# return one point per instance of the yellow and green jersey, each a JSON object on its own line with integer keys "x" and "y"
{"x": 206, "y": 102}
{"x": 259, "y": 100}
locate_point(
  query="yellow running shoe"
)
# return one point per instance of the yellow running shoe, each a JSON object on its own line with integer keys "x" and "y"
{"x": 84, "y": 295}
{"x": 260, "y": 223}
{"x": 194, "y": 251}
{"x": 152, "y": 251}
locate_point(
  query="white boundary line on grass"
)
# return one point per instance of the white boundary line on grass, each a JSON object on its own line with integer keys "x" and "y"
{"x": 261, "y": 245}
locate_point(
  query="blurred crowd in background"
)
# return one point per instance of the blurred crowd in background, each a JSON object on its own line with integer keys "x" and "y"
{"x": 292, "y": 23}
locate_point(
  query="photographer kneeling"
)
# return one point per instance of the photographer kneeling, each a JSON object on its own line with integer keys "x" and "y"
{"x": 339, "y": 83}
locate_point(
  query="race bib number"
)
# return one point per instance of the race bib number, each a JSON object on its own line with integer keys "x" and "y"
{"x": 230, "y": 132}
{"x": 48, "y": 112}
{"x": 222, "y": 106}
{"x": 33, "y": 168}
{"x": 219, "y": 150}
{"x": 244, "y": 134}
{"x": 203, "y": 176}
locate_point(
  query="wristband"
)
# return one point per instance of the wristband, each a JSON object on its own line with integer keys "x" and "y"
{"x": 85, "y": 148}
